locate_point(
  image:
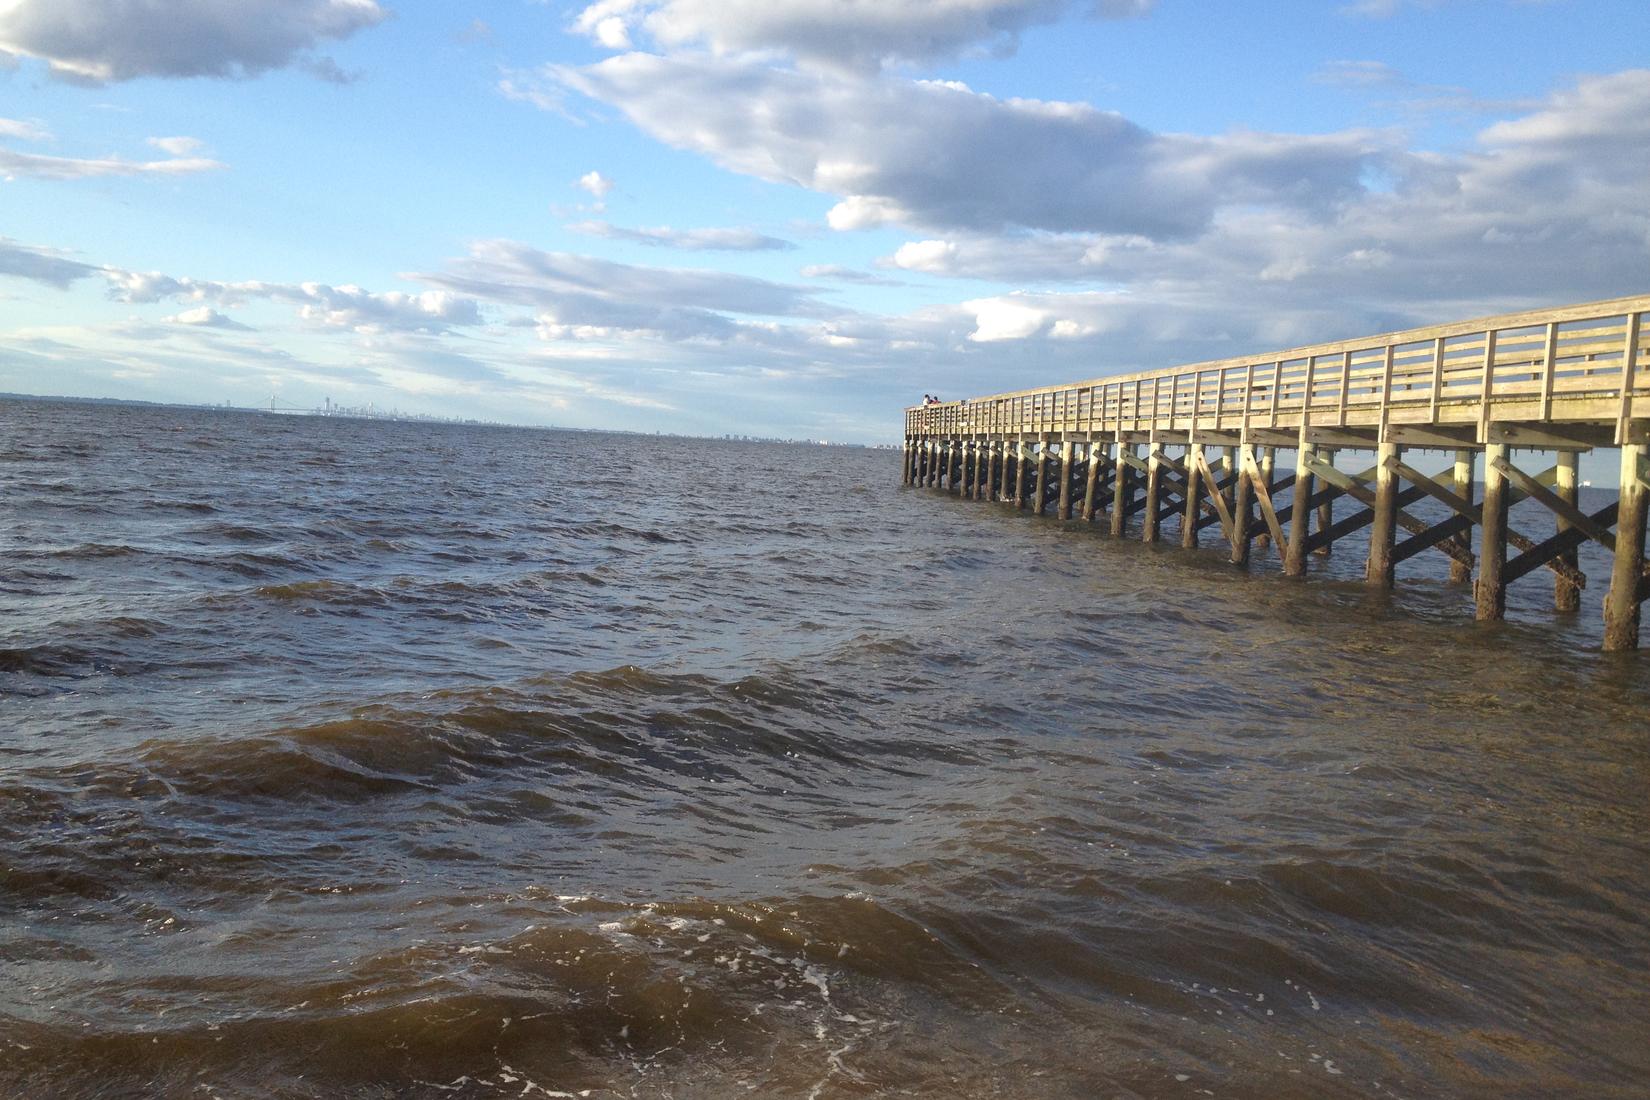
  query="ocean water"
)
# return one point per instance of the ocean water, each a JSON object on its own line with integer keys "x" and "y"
{"x": 345, "y": 759}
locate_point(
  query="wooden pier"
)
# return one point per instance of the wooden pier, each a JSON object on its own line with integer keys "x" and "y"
{"x": 1197, "y": 445}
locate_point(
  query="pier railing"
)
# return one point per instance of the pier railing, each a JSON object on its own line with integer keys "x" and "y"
{"x": 1584, "y": 362}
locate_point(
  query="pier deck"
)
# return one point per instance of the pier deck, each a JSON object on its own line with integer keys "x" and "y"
{"x": 1199, "y": 442}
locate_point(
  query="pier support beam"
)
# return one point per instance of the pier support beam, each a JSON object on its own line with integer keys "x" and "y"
{"x": 1300, "y": 512}
{"x": 905, "y": 469}
{"x": 1242, "y": 505}
{"x": 1121, "y": 492}
{"x": 1566, "y": 595}
{"x": 1021, "y": 473}
{"x": 1459, "y": 571}
{"x": 1091, "y": 484}
{"x": 1268, "y": 465}
{"x": 1326, "y": 510}
{"x": 1627, "y": 579}
{"x": 1194, "y": 491}
{"x": 1149, "y": 524}
{"x": 1066, "y": 454}
{"x": 1490, "y": 593}
{"x": 1039, "y": 476}
{"x": 1380, "y": 570}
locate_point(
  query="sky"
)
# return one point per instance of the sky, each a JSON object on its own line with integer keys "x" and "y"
{"x": 785, "y": 217}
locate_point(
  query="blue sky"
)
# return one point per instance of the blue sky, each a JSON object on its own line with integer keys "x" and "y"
{"x": 785, "y": 217}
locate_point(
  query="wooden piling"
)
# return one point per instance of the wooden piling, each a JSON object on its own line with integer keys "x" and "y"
{"x": 1091, "y": 484}
{"x": 1022, "y": 474}
{"x": 1627, "y": 578}
{"x": 1067, "y": 451}
{"x": 1566, "y": 594}
{"x": 1490, "y": 593}
{"x": 1149, "y": 523}
{"x": 1459, "y": 571}
{"x": 1300, "y": 512}
{"x": 1380, "y": 569}
{"x": 1242, "y": 505}
{"x": 1194, "y": 492}
{"x": 1268, "y": 464}
{"x": 1120, "y": 495}
{"x": 1326, "y": 510}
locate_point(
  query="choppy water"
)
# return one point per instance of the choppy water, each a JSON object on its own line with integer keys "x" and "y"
{"x": 381, "y": 760}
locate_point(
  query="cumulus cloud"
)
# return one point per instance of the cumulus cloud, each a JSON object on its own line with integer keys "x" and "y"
{"x": 850, "y": 35}
{"x": 691, "y": 240}
{"x": 594, "y": 182}
{"x": 939, "y": 155}
{"x": 1548, "y": 205}
{"x": 207, "y": 317}
{"x": 93, "y": 42}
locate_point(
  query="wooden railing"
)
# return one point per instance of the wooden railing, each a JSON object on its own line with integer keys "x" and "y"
{"x": 1582, "y": 362}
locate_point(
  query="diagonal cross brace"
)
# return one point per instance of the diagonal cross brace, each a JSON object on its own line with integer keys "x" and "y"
{"x": 1405, "y": 520}
{"x": 1475, "y": 513}
{"x": 1557, "y": 504}
{"x": 1257, "y": 485}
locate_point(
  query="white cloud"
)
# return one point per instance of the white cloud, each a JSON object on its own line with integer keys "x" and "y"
{"x": 15, "y": 165}
{"x": 23, "y": 131}
{"x": 177, "y": 146}
{"x": 583, "y": 297}
{"x": 691, "y": 240}
{"x": 95, "y": 43}
{"x": 840, "y": 34}
{"x": 938, "y": 155}
{"x": 41, "y": 265}
{"x": 594, "y": 182}
{"x": 346, "y": 308}
{"x": 1005, "y": 319}
{"x": 207, "y": 317}
{"x": 844, "y": 274}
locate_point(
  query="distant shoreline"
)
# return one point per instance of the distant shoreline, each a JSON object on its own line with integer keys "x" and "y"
{"x": 404, "y": 418}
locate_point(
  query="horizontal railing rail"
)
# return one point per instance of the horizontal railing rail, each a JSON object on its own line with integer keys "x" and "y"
{"x": 1456, "y": 372}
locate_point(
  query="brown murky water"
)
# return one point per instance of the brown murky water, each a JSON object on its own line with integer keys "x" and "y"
{"x": 381, "y": 760}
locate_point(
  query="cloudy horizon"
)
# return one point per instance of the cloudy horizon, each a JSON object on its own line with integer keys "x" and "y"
{"x": 785, "y": 218}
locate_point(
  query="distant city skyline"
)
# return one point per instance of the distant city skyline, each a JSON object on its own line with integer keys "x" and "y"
{"x": 785, "y": 219}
